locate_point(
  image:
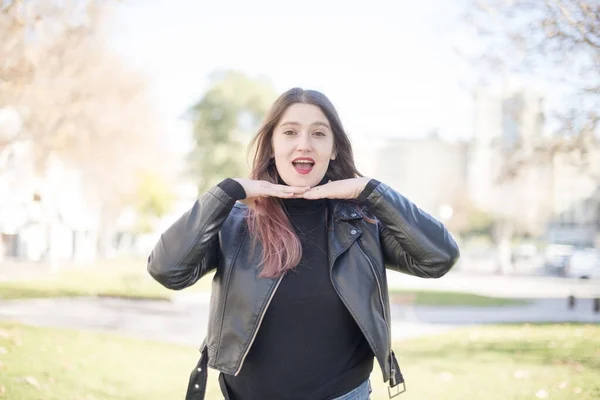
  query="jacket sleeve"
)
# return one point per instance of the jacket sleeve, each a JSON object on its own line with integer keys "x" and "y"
{"x": 413, "y": 242}
{"x": 189, "y": 248}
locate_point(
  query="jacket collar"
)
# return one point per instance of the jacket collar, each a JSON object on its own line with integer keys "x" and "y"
{"x": 345, "y": 210}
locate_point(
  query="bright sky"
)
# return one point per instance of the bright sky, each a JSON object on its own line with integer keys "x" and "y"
{"x": 386, "y": 65}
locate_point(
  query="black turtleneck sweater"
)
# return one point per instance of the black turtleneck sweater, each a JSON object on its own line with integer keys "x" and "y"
{"x": 308, "y": 345}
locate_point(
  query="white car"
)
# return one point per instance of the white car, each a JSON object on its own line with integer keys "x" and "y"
{"x": 584, "y": 264}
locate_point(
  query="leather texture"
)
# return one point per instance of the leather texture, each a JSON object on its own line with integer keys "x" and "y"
{"x": 388, "y": 232}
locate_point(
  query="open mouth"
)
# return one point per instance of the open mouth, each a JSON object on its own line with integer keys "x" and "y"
{"x": 303, "y": 165}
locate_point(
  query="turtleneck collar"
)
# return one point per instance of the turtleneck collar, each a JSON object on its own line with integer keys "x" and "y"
{"x": 303, "y": 206}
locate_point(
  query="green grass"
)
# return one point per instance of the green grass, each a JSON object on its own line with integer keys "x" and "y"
{"x": 129, "y": 278}
{"x": 506, "y": 362}
{"x": 437, "y": 298}
{"x": 125, "y": 278}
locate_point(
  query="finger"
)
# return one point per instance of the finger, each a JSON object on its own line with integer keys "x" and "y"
{"x": 290, "y": 189}
{"x": 281, "y": 194}
{"x": 316, "y": 193}
{"x": 286, "y": 192}
{"x": 294, "y": 189}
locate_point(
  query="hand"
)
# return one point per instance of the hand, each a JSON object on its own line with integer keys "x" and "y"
{"x": 255, "y": 189}
{"x": 342, "y": 189}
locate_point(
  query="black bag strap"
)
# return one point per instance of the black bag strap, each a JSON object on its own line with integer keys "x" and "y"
{"x": 396, "y": 378}
{"x": 197, "y": 385}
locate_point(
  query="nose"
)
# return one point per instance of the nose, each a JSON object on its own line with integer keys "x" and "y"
{"x": 303, "y": 142}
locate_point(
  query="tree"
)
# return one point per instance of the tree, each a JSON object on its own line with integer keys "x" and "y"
{"x": 468, "y": 219}
{"x": 557, "y": 41}
{"x": 78, "y": 100}
{"x": 229, "y": 111}
{"x": 153, "y": 198}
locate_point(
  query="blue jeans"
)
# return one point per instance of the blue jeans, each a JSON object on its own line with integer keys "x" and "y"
{"x": 360, "y": 393}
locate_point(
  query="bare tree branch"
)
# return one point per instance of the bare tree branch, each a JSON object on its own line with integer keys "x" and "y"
{"x": 577, "y": 24}
{"x": 77, "y": 98}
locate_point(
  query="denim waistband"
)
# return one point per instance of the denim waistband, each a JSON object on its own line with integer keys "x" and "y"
{"x": 360, "y": 393}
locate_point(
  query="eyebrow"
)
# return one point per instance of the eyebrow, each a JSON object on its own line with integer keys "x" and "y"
{"x": 317, "y": 123}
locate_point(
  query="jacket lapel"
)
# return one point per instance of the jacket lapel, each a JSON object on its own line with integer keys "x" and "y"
{"x": 341, "y": 232}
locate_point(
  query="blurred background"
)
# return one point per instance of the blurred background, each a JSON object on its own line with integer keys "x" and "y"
{"x": 115, "y": 115}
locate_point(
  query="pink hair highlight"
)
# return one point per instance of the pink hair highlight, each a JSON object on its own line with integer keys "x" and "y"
{"x": 269, "y": 224}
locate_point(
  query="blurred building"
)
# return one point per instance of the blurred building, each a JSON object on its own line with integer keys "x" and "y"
{"x": 557, "y": 196}
{"x": 554, "y": 200}
{"x": 431, "y": 171}
{"x": 45, "y": 217}
{"x": 506, "y": 117}
{"x": 575, "y": 203}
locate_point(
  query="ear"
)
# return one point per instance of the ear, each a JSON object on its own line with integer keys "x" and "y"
{"x": 333, "y": 156}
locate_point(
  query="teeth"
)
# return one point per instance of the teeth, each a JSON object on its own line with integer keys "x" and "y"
{"x": 303, "y": 162}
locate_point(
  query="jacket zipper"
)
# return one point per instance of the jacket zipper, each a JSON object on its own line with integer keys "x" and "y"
{"x": 380, "y": 290}
{"x": 262, "y": 315}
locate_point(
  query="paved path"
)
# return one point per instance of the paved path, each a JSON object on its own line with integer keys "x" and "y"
{"x": 184, "y": 321}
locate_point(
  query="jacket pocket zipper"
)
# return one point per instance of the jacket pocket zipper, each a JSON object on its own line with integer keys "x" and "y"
{"x": 262, "y": 315}
{"x": 380, "y": 290}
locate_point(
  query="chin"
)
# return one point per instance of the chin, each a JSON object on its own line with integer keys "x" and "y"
{"x": 311, "y": 179}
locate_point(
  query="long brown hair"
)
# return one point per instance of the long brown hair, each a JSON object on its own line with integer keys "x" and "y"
{"x": 267, "y": 220}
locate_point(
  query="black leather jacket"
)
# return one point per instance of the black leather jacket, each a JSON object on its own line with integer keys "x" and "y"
{"x": 213, "y": 235}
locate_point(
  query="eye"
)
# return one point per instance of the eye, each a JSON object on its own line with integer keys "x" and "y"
{"x": 319, "y": 133}
{"x": 289, "y": 132}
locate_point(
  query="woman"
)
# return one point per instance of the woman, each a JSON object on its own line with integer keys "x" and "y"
{"x": 299, "y": 306}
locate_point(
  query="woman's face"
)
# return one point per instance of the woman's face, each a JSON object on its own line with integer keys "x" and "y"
{"x": 303, "y": 145}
